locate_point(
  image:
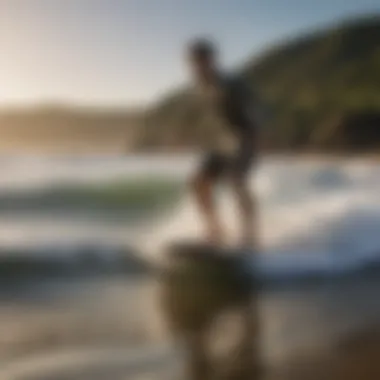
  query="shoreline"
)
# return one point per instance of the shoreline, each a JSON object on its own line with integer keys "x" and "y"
{"x": 325, "y": 333}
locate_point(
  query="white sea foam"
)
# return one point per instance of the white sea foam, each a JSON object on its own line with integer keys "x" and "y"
{"x": 315, "y": 216}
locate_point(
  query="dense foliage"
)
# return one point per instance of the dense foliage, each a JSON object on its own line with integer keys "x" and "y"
{"x": 321, "y": 91}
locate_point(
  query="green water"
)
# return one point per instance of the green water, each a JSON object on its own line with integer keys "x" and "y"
{"x": 119, "y": 194}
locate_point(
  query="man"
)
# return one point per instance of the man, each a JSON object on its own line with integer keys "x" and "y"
{"x": 232, "y": 150}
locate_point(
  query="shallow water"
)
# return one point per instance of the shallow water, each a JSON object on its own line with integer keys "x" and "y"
{"x": 323, "y": 214}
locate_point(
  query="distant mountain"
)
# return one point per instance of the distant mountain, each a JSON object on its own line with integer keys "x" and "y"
{"x": 321, "y": 91}
{"x": 68, "y": 129}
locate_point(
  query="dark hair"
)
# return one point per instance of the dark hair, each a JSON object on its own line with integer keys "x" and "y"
{"x": 201, "y": 48}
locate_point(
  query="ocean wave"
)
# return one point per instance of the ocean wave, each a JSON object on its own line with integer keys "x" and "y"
{"x": 315, "y": 217}
{"x": 69, "y": 260}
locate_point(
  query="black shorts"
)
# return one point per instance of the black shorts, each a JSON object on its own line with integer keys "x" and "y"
{"x": 218, "y": 166}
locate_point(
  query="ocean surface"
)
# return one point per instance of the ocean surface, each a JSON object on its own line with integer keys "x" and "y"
{"x": 316, "y": 217}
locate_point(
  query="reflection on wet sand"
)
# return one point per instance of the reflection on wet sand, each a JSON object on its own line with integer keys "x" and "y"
{"x": 200, "y": 286}
{"x": 109, "y": 327}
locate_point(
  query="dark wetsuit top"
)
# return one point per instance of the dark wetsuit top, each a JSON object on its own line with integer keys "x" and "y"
{"x": 230, "y": 103}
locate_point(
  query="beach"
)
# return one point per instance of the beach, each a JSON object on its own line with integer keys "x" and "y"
{"x": 112, "y": 326}
{"x": 79, "y": 314}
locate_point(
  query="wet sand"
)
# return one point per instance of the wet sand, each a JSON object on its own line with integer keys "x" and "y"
{"x": 109, "y": 329}
{"x": 355, "y": 357}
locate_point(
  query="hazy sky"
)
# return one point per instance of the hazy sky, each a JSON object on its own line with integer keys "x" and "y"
{"x": 119, "y": 52}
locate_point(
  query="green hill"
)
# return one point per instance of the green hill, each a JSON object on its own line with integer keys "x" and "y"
{"x": 322, "y": 92}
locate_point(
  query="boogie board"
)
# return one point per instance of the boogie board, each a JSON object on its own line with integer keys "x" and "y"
{"x": 199, "y": 280}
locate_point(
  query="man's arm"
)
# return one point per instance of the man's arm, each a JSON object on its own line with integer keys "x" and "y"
{"x": 251, "y": 127}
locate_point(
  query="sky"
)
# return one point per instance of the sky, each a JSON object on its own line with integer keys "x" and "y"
{"x": 131, "y": 52}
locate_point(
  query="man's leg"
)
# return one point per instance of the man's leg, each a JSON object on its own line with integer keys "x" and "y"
{"x": 203, "y": 190}
{"x": 246, "y": 201}
{"x": 203, "y": 187}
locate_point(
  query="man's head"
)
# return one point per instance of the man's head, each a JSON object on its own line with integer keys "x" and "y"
{"x": 202, "y": 56}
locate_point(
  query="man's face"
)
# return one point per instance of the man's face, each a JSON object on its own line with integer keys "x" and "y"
{"x": 202, "y": 66}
